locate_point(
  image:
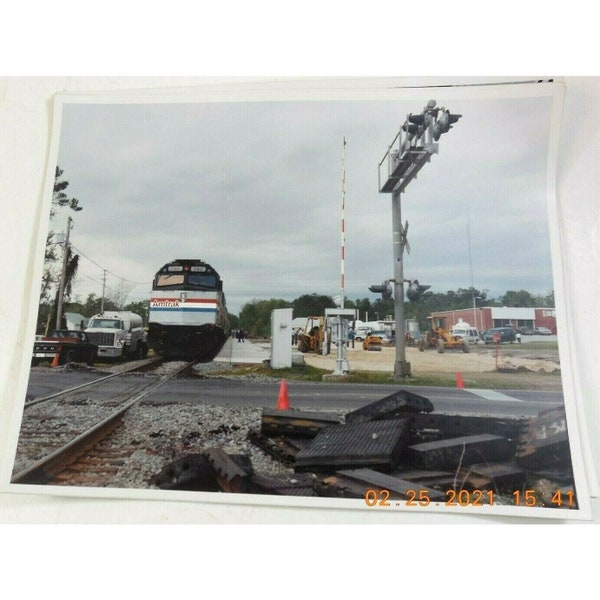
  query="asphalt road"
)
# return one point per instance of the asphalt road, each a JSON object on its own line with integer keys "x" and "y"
{"x": 312, "y": 395}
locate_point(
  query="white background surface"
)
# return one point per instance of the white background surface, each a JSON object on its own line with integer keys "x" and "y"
{"x": 24, "y": 135}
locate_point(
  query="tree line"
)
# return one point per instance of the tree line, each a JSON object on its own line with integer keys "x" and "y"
{"x": 255, "y": 316}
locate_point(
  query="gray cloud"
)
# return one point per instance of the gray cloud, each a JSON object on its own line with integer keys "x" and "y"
{"x": 255, "y": 189}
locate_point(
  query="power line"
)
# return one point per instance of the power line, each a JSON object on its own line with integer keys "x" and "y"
{"x": 108, "y": 287}
{"x": 110, "y": 272}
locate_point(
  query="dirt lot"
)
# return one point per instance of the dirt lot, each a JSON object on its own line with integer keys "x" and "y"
{"x": 528, "y": 363}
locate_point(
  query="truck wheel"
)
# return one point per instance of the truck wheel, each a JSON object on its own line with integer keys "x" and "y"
{"x": 91, "y": 358}
{"x": 440, "y": 346}
{"x": 466, "y": 347}
{"x": 421, "y": 345}
{"x": 35, "y": 362}
{"x": 69, "y": 357}
{"x": 144, "y": 350}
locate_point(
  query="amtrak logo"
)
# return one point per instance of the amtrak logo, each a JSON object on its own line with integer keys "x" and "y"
{"x": 164, "y": 304}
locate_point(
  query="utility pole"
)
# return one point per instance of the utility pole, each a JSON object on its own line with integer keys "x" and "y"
{"x": 103, "y": 288}
{"x": 61, "y": 289}
{"x": 410, "y": 150}
{"x": 401, "y": 366}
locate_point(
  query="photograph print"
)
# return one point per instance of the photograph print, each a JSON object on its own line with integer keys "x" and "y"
{"x": 324, "y": 295}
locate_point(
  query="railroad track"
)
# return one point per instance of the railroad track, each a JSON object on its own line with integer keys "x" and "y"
{"x": 67, "y": 392}
{"x": 60, "y": 432}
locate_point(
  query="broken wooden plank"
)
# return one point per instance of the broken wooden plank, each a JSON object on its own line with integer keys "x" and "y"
{"x": 461, "y": 451}
{"x": 282, "y": 448}
{"x": 335, "y": 486}
{"x": 398, "y": 488}
{"x": 446, "y": 426}
{"x": 234, "y": 472}
{"x": 502, "y": 477}
{"x": 297, "y": 484}
{"x": 545, "y": 442}
{"x": 296, "y": 423}
{"x": 441, "y": 480}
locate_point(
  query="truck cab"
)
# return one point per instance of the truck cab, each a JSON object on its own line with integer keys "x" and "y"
{"x": 118, "y": 334}
{"x": 64, "y": 346}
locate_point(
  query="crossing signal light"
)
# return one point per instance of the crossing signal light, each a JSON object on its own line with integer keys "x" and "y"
{"x": 385, "y": 289}
{"x": 410, "y": 128}
{"x": 444, "y": 123}
{"x": 416, "y": 119}
{"x": 415, "y": 290}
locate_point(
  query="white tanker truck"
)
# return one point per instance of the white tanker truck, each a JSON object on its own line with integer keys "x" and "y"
{"x": 118, "y": 334}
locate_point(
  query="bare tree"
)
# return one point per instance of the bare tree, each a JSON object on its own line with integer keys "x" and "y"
{"x": 118, "y": 296}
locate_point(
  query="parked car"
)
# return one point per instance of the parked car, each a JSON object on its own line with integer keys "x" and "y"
{"x": 466, "y": 333}
{"x": 525, "y": 330}
{"x": 361, "y": 333}
{"x": 542, "y": 331}
{"x": 507, "y": 334}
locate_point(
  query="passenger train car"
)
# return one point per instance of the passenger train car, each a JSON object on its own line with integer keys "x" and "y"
{"x": 188, "y": 316}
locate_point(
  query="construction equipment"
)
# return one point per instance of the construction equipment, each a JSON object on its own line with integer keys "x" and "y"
{"x": 372, "y": 342}
{"x": 314, "y": 337}
{"x": 439, "y": 337}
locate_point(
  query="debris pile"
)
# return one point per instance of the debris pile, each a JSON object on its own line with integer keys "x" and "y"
{"x": 398, "y": 447}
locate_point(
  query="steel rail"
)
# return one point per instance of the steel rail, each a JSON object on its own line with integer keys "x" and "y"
{"x": 88, "y": 384}
{"x": 42, "y": 470}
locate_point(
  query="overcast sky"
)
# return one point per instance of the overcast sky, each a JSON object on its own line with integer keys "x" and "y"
{"x": 255, "y": 189}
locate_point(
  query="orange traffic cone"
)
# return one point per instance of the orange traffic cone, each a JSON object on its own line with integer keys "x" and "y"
{"x": 459, "y": 381}
{"x": 283, "y": 402}
{"x": 55, "y": 360}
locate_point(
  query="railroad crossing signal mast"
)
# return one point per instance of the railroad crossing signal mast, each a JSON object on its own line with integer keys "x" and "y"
{"x": 413, "y": 146}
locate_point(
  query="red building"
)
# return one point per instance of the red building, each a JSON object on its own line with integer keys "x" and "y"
{"x": 497, "y": 316}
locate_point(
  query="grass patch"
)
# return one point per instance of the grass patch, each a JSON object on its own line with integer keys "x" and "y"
{"x": 522, "y": 380}
{"x": 299, "y": 373}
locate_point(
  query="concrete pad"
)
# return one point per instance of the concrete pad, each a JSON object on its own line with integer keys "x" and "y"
{"x": 246, "y": 352}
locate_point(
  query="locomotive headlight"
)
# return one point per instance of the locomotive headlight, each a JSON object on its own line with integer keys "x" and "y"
{"x": 198, "y": 269}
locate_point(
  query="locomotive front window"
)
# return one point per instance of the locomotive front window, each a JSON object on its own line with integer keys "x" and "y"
{"x": 167, "y": 280}
{"x": 202, "y": 280}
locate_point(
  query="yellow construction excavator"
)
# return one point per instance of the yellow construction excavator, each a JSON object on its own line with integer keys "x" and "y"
{"x": 441, "y": 338}
{"x": 312, "y": 338}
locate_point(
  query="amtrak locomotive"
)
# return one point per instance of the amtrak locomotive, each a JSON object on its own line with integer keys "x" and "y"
{"x": 188, "y": 316}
